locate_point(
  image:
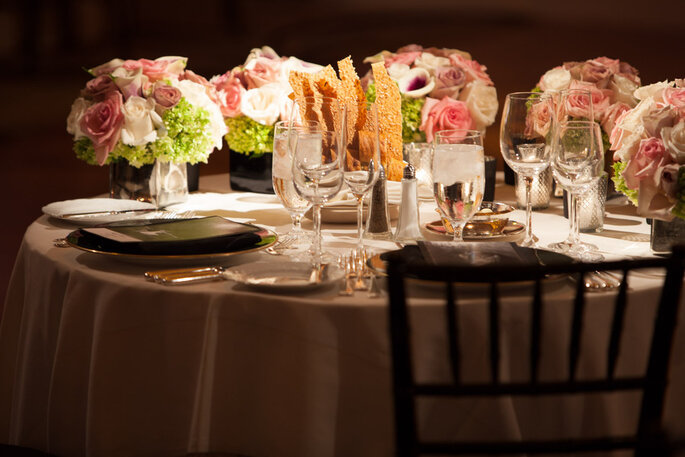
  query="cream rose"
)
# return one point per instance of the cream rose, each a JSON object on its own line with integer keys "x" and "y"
{"x": 482, "y": 103}
{"x": 622, "y": 90}
{"x": 141, "y": 123}
{"x": 555, "y": 79}
{"x": 651, "y": 91}
{"x": 79, "y": 107}
{"x": 674, "y": 140}
{"x": 196, "y": 95}
{"x": 295, "y": 64}
{"x": 629, "y": 126}
{"x": 262, "y": 104}
{"x": 397, "y": 70}
{"x": 430, "y": 62}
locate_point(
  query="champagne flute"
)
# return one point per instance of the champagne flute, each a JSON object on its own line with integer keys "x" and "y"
{"x": 525, "y": 129}
{"x": 317, "y": 175}
{"x": 282, "y": 178}
{"x": 362, "y": 160}
{"x": 458, "y": 170}
{"x": 577, "y": 163}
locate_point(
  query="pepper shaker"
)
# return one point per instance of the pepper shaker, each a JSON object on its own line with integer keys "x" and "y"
{"x": 378, "y": 222}
{"x": 408, "y": 223}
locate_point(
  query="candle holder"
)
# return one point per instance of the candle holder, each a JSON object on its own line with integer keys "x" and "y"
{"x": 540, "y": 191}
{"x": 591, "y": 206}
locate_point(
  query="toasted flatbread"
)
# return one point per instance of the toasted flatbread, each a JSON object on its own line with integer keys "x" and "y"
{"x": 389, "y": 105}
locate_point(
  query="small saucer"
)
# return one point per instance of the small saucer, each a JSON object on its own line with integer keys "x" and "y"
{"x": 475, "y": 232}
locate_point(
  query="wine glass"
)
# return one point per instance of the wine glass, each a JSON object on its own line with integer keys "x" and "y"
{"x": 577, "y": 163}
{"x": 525, "y": 129}
{"x": 362, "y": 159}
{"x": 317, "y": 174}
{"x": 458, "y": 170}
{"x": 282, "y": 178}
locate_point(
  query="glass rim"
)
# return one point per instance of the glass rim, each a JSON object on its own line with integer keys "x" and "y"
{"x": 470, "y": 133}
{"x": 528, "y": 94}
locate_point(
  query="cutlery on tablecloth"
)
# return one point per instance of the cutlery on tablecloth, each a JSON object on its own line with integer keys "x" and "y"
{"x": 109, "y": 212}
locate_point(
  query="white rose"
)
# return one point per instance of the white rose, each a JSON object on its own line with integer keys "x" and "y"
{"x": 430, "y": 62}
{"x": 623, "y": 89}
{"x": 482, "y": 103}
{"x": 628, "y": 146}
{"x": 651, "y": 91}
{"x": 416, "y": 83}
{"x": 295, "y": 64}
{"x": 141, "y": 122}
{"x": 196, "y": 95}
{"x": 674, "y": 141}
{"x": 79, "y": 107}
{"x": 555, "y": 79}
{"x": 397, "y": 70}
{"x": 264, "y": 51}
{"x": 262, "y": 103}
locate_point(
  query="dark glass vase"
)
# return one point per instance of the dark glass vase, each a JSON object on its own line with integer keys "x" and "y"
{"x": 193, "y": 177}
{"x": 665, "y": 234}
{"x": 130, "y": 183}
{"x": 251, "y": 174}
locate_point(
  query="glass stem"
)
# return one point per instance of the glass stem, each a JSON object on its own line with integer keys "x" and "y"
{"x": 457, "y": 231}
{"x": 316, "y": 210}
{"x": 573, "y": 235}
{"x": 297, "y": 223}
{"x": 528, "y": 180}
{"x": 360, "y": 217}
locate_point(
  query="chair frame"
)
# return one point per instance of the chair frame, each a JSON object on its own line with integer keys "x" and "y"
{"x": 653, "y": 383}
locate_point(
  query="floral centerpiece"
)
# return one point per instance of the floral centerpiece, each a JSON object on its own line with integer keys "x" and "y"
{"x": 610, "y": 82}
{"x": 254, "y": 96}
{"x": 649, "y": 145}
{"x": 142, "y": 111}
{"x": 440, "y": 88}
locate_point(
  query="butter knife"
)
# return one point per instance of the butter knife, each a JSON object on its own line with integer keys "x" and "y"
{"x": 107, "y": 213}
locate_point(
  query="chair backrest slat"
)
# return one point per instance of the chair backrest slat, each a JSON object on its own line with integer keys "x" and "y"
{"x": 494, "y": 332}
{"x": 576, "y": 327}
{"x": 535, "y": 330}
{"x": 617, "y": 326}
{"x": 453, "y": 332}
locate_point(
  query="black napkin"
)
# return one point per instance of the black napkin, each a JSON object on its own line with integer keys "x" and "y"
{"x": 206, "y": 235}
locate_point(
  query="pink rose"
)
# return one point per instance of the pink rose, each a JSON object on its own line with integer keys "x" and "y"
{"x": 612, "y": 115}
{"x": 628, "y": 71}
{"x": 406, "y": 58}
{"x": 574, "y": 68}
{"x": 130, "y": 79}
{"x": 444, "y": 115}
{"x": 613, "y": 65}
{"x": 230, "y": 92}
{"x": 578, "y": 102}
{"x": 473, "y": 70}
{"x": 410, "y": 48}
{"x": 98, "y": 88}
{"x": 261, "y": 71}
{"x": 596, "y": 72}
{"x": 166, "y": 96}
{"x": 106, "y": 68}
{"x": 539, "y": 118}
{"x": 650, "y": 156}
{"x": 448, "y": 82}
{"x": 675, "y": 96}
{"x": 102, "y": 124}
{"x": 156, "y": 70}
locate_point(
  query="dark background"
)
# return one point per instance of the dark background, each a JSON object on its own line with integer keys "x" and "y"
{"x": 45, "y": 44}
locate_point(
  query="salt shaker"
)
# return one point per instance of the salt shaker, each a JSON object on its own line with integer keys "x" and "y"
{"x": 378, "y": 222}
{"x": 408, "y": 223}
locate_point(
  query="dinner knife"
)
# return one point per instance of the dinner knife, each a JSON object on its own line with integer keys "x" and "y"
{"x": 108, "y": 213}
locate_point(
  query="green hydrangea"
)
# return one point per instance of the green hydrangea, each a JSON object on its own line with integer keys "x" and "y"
{"x": 620, "y": 183}
{"x": 411, "y": 115}
{"x": 249, "y": 137}
{"x": 188, "y": 139}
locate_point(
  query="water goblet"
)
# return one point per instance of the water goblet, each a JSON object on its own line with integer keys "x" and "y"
{"x": 458, "y": 171}
{"x": 317, "y": 175}
{"x": 577, "y": 164}
{"x": 282, "y": 178}
{"x": 362, "y": 159}
{"x": 525, "y": 130}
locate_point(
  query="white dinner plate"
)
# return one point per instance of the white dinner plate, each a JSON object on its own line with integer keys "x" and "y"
{"x": 281, "y": 276}
{"x": 75, "y": 211}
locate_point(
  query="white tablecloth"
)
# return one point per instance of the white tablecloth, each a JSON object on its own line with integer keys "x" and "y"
{"x": 95, "y": 360}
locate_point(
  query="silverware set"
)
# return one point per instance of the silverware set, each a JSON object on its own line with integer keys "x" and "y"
{"x": 358, "y": 276}
{"x": 180, "y": 276}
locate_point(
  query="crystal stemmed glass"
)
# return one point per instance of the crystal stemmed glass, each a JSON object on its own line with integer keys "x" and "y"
{"x": 458, "y": 170}
{"x": 362, "y": 159}
{"x": 282, "y": 178}
{"x": 317, "y": 174}
{"x": 577, "y": 163}
{"x": 526, "y": 126}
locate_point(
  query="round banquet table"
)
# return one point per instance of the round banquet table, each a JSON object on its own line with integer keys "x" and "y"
{"x": 95, "y": 360}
